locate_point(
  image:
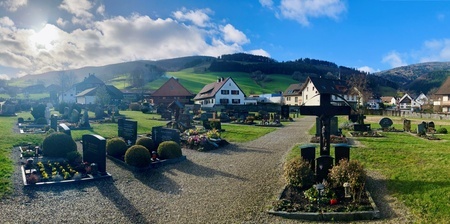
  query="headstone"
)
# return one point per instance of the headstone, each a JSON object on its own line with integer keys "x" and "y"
{"x": 20, "y": 120}
{"x": 127, "y": 129}
{"x": 431, "y": 127}
{"x": 285, "y": 111}
{"x": 47, "y": 114}
{"x": 161, "y": 134}
{"x": 94, "y": 151}
{"x": 85, "y": 120}
{"x": 185, "y": 119}
{"x": 166, "y": 115}
{"x": 420, "y": 128}
{"x": 385, "y": 123}
{"x": 308, "y": 153}
{"x": 54, "y": 122}
{"x": 74, "y": 116}
{"x": 65, "y": 129}
{"x": 276, "y": 118}
{"x": 341, "y": 151}
{"x": 407, "y": 125}
{"x": 334, "y": 129}
{"x": 324, "y": 164}
{"x": 66, "y": 113}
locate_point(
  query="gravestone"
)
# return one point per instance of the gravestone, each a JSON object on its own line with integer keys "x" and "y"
{"x": 325, "y": 111}
{"x": 127, "y": 129}
{"x": 308, "y": 153}
{"x": 276, "y": 118}
{"x": 166, "y": 115}
{"x": 54, "y": 122}
{"x": 47, "y": 114}
{"x": 421, "y": 128}
{"x": 65, "y": 129}
{"x": 66, "y": 113}
{"x": 431, "y": 127}
{"x": 407, "y": 125}
{"x": 20, "y": 120}
{"x": 161, "y": 134}
{"x": 341, "y": 151}
{"x": 84, "y": 122}
{"x": 285, "y": 111}
{"x": 74, "y": 116}
{"x": 94, "y": 151}
{"x": 334, "y": 129}
{"x": 385, "y": 123}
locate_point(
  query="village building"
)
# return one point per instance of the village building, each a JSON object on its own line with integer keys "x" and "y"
{"x": 224, "y": 91}
{"x": 171, "y": 91}
{"x": 340, "y": 92}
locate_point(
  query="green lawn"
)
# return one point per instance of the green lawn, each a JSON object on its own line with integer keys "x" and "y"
{"x": 417, "y": 169}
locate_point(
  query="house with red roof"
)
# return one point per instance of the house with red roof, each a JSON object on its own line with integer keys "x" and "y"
{"x": 171, "y": 91}
{"x": 224, "y": 91}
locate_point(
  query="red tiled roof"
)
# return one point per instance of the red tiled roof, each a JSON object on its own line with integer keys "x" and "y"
{"x": 172, "y": 88}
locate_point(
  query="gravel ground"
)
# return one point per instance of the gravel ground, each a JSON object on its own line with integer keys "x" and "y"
{"x": 235, "y": 184}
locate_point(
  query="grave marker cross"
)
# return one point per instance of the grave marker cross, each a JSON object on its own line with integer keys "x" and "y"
{"x": 325, "y": 111}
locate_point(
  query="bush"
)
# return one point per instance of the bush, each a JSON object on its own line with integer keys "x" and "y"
{"x": 297, "y": 173}
{"x": 116, "y": 147}
{"x": 349, "y": 172}
{"x": 442, "y": 131}
{"x": 147, "y": 143}
{"x": 169, "y": 150}
{"x": 138, "y": 156}
{"x": 58, "y": 144}
{"x": 74, "y": 157}
{"x": 41, "y": 120}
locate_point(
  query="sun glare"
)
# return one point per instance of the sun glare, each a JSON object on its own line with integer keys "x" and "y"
{"x": 46, "y": 38}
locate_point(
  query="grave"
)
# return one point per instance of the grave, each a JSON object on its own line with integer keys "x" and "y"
{"x": 161, "y": 134}
{"x": 385, "y": 123}
{"x": 407, "y": 125}
{"x": 308, "y": 153}
{"x": 127, "y": 129}
{"x": 341, "y": 151}
{"x": 64, "y": 128}
{"x": 54, "y": 122}
{"x": 285, "y": 112}
{"x": 334, "y": 130}
{"x": 421, "y": 128}
{"x": 94, "y": 152}
{"x": 325, "y": 111}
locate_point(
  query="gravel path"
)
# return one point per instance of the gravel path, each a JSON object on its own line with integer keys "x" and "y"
{"x": 235, "y": 184}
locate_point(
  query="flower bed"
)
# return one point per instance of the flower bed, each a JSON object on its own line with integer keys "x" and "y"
{"x": 202, "y": 140}
{"x": 366, "y": 134}
{"x": 305, "y": 204}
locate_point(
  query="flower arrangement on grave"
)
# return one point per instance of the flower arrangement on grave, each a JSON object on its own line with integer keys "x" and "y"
{"x": 213, "y": 134}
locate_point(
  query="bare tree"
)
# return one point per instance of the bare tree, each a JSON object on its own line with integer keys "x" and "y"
{"x": 358, "y": 84}
{"x": 66, "y": 80}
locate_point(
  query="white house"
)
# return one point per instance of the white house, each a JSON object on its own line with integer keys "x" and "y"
{"x": 293, "y": 95}
{"x": 222, "y": 92}
{"x": 70, "y": 95}
{"x": 422, "y": 99}
{"x": 340, "y": 92}
{"x": 407, "y": 103}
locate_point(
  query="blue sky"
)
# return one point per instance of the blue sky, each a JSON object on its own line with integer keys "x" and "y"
{"x": 371, "y": 35}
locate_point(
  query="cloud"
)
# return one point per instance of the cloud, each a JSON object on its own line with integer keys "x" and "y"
{"x": 101, "y": 10}
{"x": 61, "y": 22}
{"x": 232, "y": 35}
{"x": 13, "y": 5}
{"x": 368, "y": 69}
{"x": 6, "y": 21}
{"x": 198, "y": 17}
{"x": 4, "y": 77}
{"x": 260, "y": 52}
{"x": 303, "y": 10}
{"x": 435, "y": 50}
{"x": 80, "y": 10}
{"x": 394, "y": 59}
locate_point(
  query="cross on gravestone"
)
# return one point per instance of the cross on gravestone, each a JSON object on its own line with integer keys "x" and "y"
{"x": 325, "y": 111}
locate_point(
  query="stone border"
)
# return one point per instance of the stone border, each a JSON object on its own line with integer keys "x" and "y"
{"x": 89, "y": 178}
{"x": 331, "y": 216}
{"x": 154, "y": 165}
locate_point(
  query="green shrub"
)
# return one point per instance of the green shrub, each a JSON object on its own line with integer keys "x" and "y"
{"x": 116, "y": 147}
{"x": 135, "y": 107}
{"x": 169, "y": 150}
{"x": 147, "y": 143}
{"x": 73, "y": 157}
{"x": 138, "y": 156}
{"x": 442, "y": 131}
{"x": 349, "y": 172}
{"x": 58, "y": 144}
{"x": 297, "y": 172}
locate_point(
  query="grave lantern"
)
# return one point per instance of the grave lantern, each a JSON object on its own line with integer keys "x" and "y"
{"x": 347, "y": 190}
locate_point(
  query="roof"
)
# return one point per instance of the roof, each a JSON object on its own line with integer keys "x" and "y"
{"x": 112, "y": 91}
{"x": 328, "y": 86}
{"x": 88, "y": 92}
{"x": 172, "y": 88}
{"x": 387, "y": 99}
{"x": 210, "y": 90}
{"x": 445, "y": 88}
{"x": 293, "y": 90}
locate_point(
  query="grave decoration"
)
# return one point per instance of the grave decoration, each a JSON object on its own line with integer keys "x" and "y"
{"x": 39, "y": 169}
{"x": 201, "y": 139}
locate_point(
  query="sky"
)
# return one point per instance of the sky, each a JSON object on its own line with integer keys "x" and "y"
{"x": 38, "y": 36}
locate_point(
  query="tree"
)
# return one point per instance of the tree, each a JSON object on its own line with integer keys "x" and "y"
{"x": 358, "y": 84}
{"x": 66, "y": 81}
{"x": 102, "y": 96}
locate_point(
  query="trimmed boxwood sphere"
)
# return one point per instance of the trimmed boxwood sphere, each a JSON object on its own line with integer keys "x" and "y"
{"x": 169, "y": 150}
{"x": 138, "y": 156}
{"x": 116, "y": 147}
{"x": 58, "y": 144}
{"x": 147, "y": 143}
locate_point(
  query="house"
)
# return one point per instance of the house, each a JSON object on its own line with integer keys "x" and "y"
{"x": 390, "y": 100}
{"x": 340, "y": 92}
{"x": 373, "y": 104}
{"x": 171, "y": 91}
{"x": 443, "y": 96}
{"x": 70, "y": 95}
{"x": 89, "y": 96}
{"x": 422, "y": 99}
{"x": 293, "y": 95}
{"x": 408, "y": 103}
{"x": 222, "y": 92}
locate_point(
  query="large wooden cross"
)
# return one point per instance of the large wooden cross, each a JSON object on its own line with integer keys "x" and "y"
{"x": 325, "y": 111}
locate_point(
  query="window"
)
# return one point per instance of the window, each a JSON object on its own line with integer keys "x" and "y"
{"x": 306, "y": 97}
{"x": 236, "y": 101}
{"x": 296, "y": 99}
{"x": 223, "y": 101}
{"x": 288, "y": 98}
{"x": 234, "y": 92}
{"x": 225, "y": 92}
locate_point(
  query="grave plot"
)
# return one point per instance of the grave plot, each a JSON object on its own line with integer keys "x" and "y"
{"x": 60, "y": 162}
{"x": 145, "y": 153}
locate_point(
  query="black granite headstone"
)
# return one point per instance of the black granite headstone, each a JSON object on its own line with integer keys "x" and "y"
{"x": 308, "y": 153}
{"x": 54, "y": 122}
{"x": 324, "y": 164}
{"x": 161, "y": 134}
{"x": 341, "y": 151}
{"x": 285, "y": 111}
{"x": 127, "y": 129}
{"x": 94, "y": 151}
